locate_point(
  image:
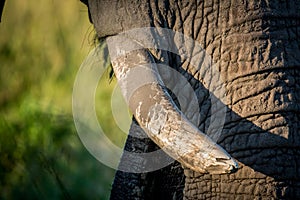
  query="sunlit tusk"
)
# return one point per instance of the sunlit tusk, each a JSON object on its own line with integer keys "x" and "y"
{"x": 158, "y": 115}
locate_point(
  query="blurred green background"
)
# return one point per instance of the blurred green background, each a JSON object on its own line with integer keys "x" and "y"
{"x": 42, "y": 44}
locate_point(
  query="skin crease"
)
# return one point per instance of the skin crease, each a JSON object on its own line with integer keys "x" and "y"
{"x": 257, "y": 47}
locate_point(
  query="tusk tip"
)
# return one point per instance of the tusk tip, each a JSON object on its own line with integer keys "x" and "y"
{"x": 221, "y": 162}
{"x": 218, "y": 162}
{"x": 223, "y": 166}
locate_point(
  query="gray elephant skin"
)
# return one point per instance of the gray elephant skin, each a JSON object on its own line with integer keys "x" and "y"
{"x": 257, "y": 47}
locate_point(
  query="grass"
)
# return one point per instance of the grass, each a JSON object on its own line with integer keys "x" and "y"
{"x": 42, "y": 45}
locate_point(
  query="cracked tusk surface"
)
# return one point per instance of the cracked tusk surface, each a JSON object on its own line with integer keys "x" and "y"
{"x": 158, "y": 115}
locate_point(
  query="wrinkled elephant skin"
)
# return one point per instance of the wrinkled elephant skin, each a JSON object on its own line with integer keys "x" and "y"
{"x": 257, "y": 48}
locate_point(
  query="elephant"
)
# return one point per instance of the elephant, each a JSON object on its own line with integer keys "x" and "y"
{"x": 256, "y": 48}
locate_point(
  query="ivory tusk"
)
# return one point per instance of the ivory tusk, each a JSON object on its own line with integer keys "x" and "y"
{"x": 158, "y": 115}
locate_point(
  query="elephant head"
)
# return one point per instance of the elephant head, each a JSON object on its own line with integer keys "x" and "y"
{"x": 147, "y": 97}
{"x": 255, "y": 47}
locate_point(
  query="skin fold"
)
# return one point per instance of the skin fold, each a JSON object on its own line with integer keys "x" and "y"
{"x": 256, "y": 48}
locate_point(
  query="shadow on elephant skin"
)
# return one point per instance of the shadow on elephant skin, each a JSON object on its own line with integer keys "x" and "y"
{"x": 262, "y": 154}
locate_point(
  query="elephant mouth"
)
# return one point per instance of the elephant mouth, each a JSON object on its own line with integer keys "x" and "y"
{"x": 155, "y": 111}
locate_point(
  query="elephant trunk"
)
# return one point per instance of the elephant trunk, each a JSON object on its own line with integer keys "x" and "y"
{"x": 157, "y": 114}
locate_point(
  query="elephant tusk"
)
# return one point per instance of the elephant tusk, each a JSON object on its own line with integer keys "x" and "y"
{"x": 158, "y": 115}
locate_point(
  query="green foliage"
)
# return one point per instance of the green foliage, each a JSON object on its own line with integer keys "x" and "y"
{"x": 41, "y": 157}
{"x": 42, "y": 45}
